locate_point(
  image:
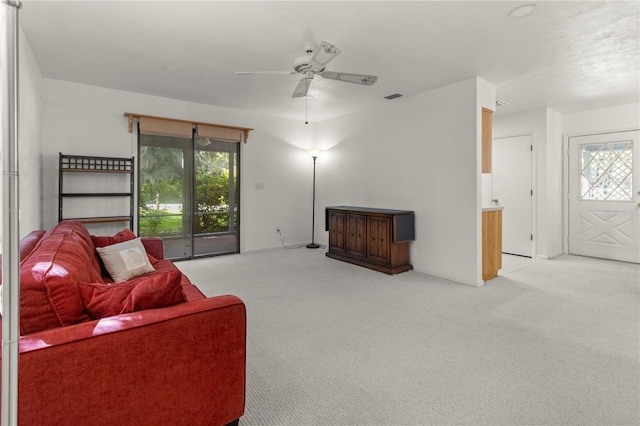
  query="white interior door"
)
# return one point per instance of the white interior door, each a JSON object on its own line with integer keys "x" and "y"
{"x": 511, "y": 167}
{"x": 604, "y": 196}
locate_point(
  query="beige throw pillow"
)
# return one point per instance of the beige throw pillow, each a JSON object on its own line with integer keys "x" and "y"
{"x": 125, "y": 260}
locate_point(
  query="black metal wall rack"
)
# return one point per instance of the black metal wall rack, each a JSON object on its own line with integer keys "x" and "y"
{"x": 93, "y": 165}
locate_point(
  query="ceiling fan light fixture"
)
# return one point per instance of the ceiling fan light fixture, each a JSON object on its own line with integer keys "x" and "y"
{"x": 522, "y": 11}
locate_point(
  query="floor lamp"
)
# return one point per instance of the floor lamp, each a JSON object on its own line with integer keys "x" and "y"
{"x": 315, "y": 153}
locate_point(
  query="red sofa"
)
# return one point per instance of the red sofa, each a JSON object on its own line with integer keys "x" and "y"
{"x": 182, "y": 364}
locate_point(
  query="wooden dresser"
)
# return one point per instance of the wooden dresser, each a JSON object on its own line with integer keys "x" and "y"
{"x": 374, "y": 238}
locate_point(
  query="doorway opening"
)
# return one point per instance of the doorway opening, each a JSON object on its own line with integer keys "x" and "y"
{"x": 188, "y": 194}
{"x": 512, "y": 188}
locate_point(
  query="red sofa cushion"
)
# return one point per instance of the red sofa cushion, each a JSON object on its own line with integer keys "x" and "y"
{"x": 191, "y": 291}
{"x": 49, "y": 277}
{"x": 102, "y": 241}
{"x": 144, "y": 292}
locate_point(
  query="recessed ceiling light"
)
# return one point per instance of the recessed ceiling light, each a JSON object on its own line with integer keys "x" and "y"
{"x": 522, "y": 11}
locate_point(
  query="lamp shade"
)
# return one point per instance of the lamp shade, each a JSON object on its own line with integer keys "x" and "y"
{"x": 315, "y": 152}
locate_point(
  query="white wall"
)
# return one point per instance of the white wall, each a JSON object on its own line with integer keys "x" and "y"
{"x": 88, "y": 120}
{"x": 553, "y": 213}
{"x": 602, "y": 120}
{"x": 29, "y": 141}
{"x": 419, "y": 153}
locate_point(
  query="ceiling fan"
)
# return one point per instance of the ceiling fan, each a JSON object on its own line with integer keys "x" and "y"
{"x": 315, "y": 62}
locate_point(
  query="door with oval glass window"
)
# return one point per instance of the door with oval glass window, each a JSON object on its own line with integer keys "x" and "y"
{"x": 604, "y": 196}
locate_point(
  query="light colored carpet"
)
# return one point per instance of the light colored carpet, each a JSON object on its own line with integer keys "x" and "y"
{"x": 550, "y": 342}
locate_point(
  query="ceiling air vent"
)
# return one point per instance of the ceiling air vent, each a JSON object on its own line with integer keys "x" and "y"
{"x": 395, "y": 95}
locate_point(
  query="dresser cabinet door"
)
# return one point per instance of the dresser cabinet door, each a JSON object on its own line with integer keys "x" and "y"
{"x": 356, "y": 234}
{"x": 379, "y": 236}
{"x": 337, "y": 231}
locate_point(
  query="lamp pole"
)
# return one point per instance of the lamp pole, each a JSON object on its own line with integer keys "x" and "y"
{"x": 313, "y": 245}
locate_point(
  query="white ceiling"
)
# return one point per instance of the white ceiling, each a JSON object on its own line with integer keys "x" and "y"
{"x": 567, "y": 55}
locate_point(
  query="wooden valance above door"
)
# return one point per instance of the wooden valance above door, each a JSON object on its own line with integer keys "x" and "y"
{"x": 150, "y": 124}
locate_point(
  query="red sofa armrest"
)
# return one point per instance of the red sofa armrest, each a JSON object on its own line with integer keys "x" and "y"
{"x": 27, "y": 244}
{"x": 154, "y": 246}
{"x": 183, "y": 364}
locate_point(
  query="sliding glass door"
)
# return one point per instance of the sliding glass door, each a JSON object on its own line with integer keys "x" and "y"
{"x": 215, "y": 198}
{"x": 188, "y": 193}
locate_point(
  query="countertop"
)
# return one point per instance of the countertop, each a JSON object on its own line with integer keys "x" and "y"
{"x": 492, "y": 208}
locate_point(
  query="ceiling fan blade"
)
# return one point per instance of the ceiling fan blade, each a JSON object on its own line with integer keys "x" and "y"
{"x": 263, "y": 72}
{"x": 302, "y": 88}
{"x": 323, "y": 55}
{"x": 367, "y": 80}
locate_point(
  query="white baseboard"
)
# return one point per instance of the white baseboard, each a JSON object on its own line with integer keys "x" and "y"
{"x": 552, "y": 256}
{"x": 279, "y": 246}
{"x": 254, "y": 250}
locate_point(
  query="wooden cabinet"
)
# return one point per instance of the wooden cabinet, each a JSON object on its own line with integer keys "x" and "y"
{"x": 336, "y": 228}
{"x": 378, "y": 238}
{"x": 487, "y": 124}
{"x": 374, "y": 238}
{"x": 491, "y": 243}
{"x": 356, "y": 230}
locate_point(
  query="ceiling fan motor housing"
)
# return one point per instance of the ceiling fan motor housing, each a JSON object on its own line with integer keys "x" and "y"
{"x": 302, "y": 65}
